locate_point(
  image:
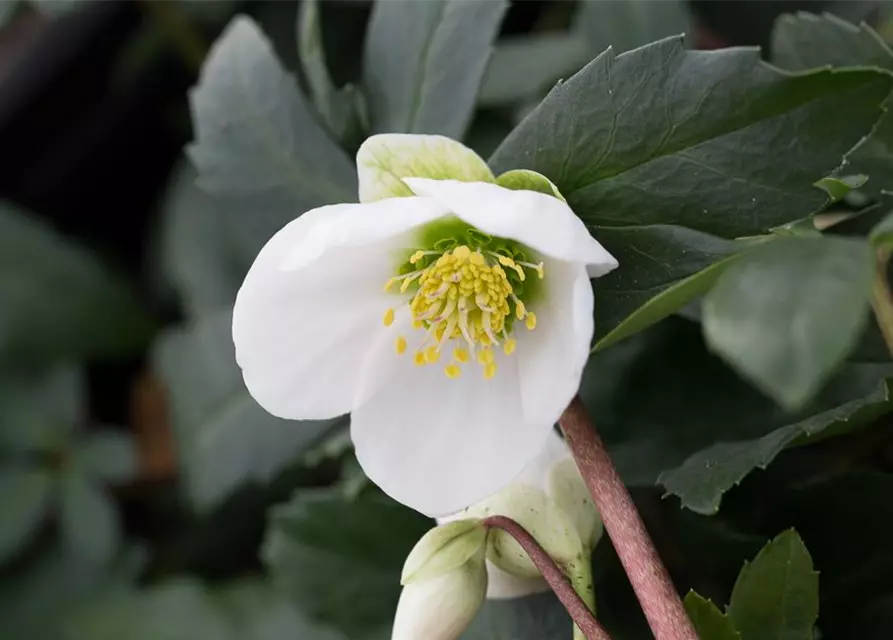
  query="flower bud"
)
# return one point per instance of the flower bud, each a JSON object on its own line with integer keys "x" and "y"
{"x": 443, "y": 549}
{"x": 567, "y": 489}
{"x": 442, "y": 607}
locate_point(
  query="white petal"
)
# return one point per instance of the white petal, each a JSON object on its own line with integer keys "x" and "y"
{"x": 384, "y": 160}
{"x": 539, "y": 472}
{"x": 435, "y": 444}
{"x": 302, "y": 332}
{"x": 551, "y": 358}
{"x": 535, "y": 219}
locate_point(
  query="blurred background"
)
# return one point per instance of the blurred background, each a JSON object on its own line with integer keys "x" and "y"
{"x": 142, "y": 492}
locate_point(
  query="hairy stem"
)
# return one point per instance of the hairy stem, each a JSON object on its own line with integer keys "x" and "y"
{"x": 576, "y": 607}
{"x": 880, "y": 298}
{"x": 649, "y": 578}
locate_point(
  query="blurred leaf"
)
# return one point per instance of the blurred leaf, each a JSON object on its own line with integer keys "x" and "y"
{"x": 789, "y": 311}
{"x": 35, "y": 601}
{"x": 56, "y": 298}
{"x": 197, "y": 253}
{"x": 839, "y": 188}
{"x": 424, "y": 61}
{"x": 777, "y": 595}
{"x": 882, "y": 234}
{"x": 24, "y": 497}
{"x": 662, "y": 268}
{"x": 702, "y": 480}
{"x": 88, "y": 519}
{"x": 710, "y": 622}
{"x": 338, "y": 107}
{"x": 340, "y": 560}
{"x": 536, "y": 617}
{"x": 39, "y": 408}
{"x": 631, "y": 23}
{"x": 225, "y": 438}
{"x": 804, "y": 41}
{"x": 258, "y": 144}
{"x": 7, "y": 11}
{"x": 107, "y": 455}
{"x": 713, "y": 140}
{"x": 527, "y": 67}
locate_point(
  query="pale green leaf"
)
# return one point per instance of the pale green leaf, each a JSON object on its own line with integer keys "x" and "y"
{"x": 88, "y": 520}
{"x": 423, "y": 63}
{"x": 108, "y": 455}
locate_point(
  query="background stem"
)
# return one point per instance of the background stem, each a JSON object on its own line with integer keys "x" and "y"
{"x": 576, "y": 607}
{"x": 649, "y": 578}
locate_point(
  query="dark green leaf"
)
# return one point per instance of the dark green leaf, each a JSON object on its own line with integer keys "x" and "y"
{"x": 24, "y": 497}
{"x": 713, "y": 140}
{"x": 522, "y": 68}
{"x": 839, "y": 188}
{"x": 39, "y": 409}
{"x": 710, "y": 622}
{"x": 340, "y": 560}
{"x": 88, "y": 519}
{"x": 424, "y": 61}
{"x": 56, "y": 297}
{"x": 225, "y": 438}
{"x": 805, "y": 41}
{"x": 108, "y": 455}
{"x": 789, "y": 311}
{"x": 630, "y": 24}
{"x": 258, "y": 144}
{"x": 703, "y": 479}
{"x": 776, "y": 597}
{"x": 663, "y": 268}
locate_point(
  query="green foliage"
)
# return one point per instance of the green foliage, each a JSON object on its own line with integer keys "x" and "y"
{"x": 55, "y": 297}
{"x": 709, "y": 622}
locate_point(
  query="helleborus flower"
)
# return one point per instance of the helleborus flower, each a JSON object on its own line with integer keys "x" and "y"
{"x": 450, "y": 312}
{"x": 445, "y": 581}
{"x": 551, "y": 501}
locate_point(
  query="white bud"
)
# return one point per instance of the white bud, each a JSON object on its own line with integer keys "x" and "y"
{"x": 443, "y": 549}
{"x": 567, "y": 489}
{"x": 442, "y": 607}
{"x": 541, "y": 517}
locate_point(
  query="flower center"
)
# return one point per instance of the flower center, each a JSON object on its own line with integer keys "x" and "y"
{"x": 465, "y": 297}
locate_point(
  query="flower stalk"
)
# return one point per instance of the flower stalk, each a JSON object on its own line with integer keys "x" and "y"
{"x": 880, "y": 297}
{"x": 580, "y": 612}
{"x": 649, "y": 578}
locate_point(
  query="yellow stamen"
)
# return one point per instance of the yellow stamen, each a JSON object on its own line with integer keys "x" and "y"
{"x": 401, "y": 345}
{"x": 460, "y": 354}
{"x": 485, "y": 356}
{"x": 390, "y": 283}
{"x": 432, "y": 355}
{"x": 530, "y": 322}
{"x": 388, "y": 317}
{"x": 419, "y": 359}
{"x": 489, "y": 370}
{"x": 520, "y": 310}
{"x": 453, "y": 371}
{"x": 418, "y": 255}
{"x": 509, "y": 346}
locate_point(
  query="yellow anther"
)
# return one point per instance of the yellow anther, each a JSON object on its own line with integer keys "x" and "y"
{"x": 388, "y": 317}
{"x": 419, "y": 358}
{"x": 401, "y": 345}
{"x": 485, "y": 356}
{"x": 460, "y": 354}
{"x": 477, "y": 259}
{"x": 520, "y": 310}
{"x": 452, "y": 371}
{"x": 509, "y": 346}
{"x": 461, "y": 252}
{"x": 432, "y": 355}
{"x": 390, "y": 283}
{"x": 418, "y": 255}
{"x": 489, "y": 370}
{"x": 530, "y": 322}
{"x": 541, "y": 270}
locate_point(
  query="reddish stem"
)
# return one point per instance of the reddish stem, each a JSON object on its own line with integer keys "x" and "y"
{"x": 650, "y": 580}
{"x": 559, "y": 582}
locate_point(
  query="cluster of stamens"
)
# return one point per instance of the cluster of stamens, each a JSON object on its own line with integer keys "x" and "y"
{"x": 464, "y": 298}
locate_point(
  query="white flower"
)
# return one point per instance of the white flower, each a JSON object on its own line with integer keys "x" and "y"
{"x": 451, "y": 318}
{"x": 551, "y": 501}
{"x": 444, "y": 583}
